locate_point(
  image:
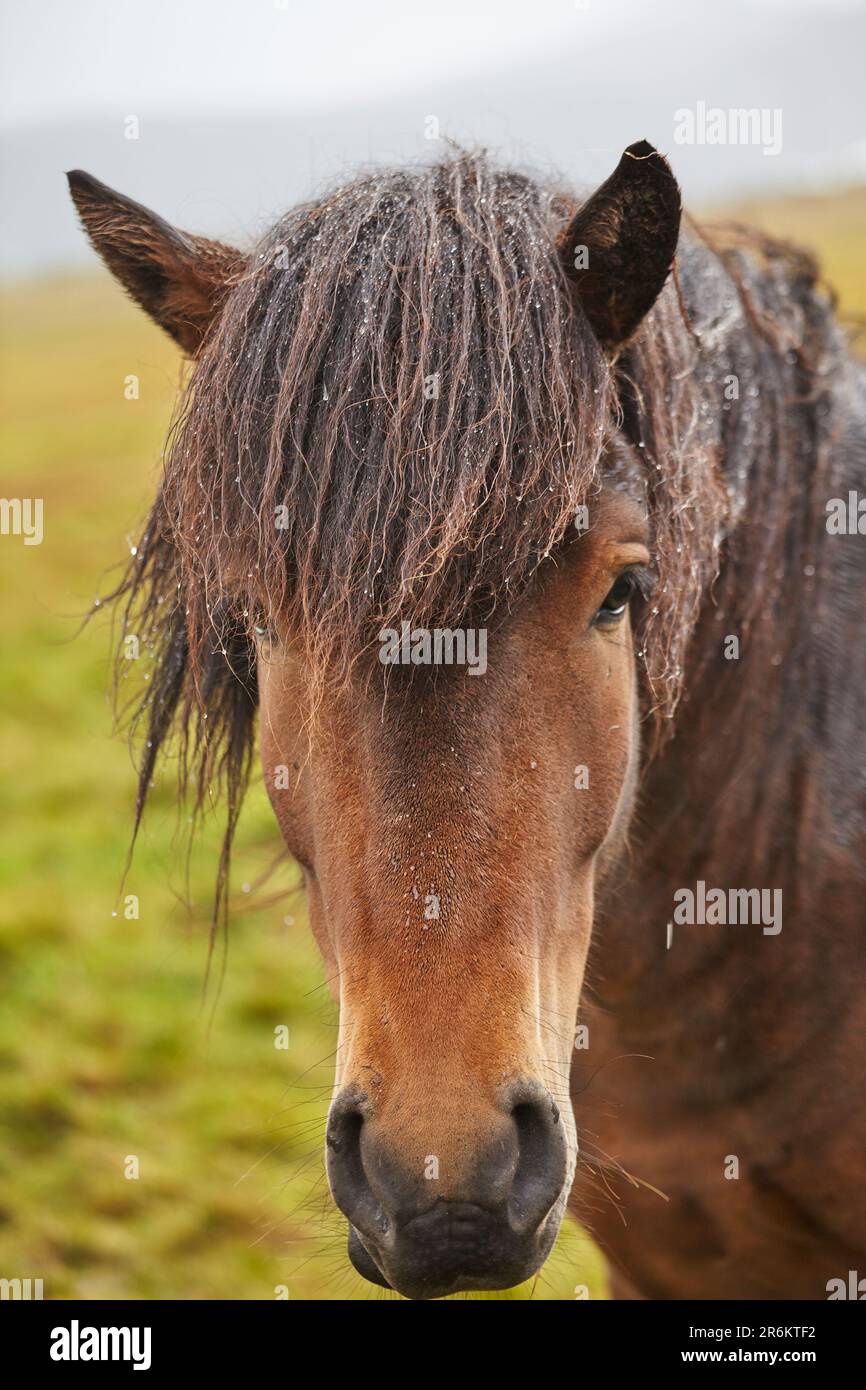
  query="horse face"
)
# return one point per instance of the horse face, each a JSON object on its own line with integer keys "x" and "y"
{"x": 453, "y": 825}
{"x": 452, "y": 834}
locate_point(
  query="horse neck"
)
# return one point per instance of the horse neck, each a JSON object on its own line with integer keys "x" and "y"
{"x": 761, "y": 784}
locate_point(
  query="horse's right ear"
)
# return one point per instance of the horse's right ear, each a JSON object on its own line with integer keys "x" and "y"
{"x": 180, "y": 280}
{"x": 618, "y": 250}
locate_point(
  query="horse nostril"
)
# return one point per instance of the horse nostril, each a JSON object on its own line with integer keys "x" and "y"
{"x": 348, "y": 1181}
{"x": 542, "y": 1156}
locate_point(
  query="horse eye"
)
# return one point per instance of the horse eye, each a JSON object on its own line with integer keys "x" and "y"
{"x": 615, "y": 604}
{"x": 261, "y": 629}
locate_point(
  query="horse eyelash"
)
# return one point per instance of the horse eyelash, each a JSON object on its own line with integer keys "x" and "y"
{"x": 645, "y": 579}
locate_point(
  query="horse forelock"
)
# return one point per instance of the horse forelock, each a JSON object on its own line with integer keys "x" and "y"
{"x": 396, "y": 418}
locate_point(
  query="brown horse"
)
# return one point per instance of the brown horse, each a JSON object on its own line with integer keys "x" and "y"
{"x": 446, "y": 411}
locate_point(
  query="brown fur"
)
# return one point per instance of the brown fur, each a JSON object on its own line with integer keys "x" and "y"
{"x": 309, "y": 393}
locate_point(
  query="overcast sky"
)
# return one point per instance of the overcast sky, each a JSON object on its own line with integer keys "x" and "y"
{"x": 90, "y": 57}
{"x": 68, "y": 58}
{"x": 246, "y": 106}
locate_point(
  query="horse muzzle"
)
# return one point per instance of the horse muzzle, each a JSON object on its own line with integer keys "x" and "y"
{"x": 487, "y": 1223}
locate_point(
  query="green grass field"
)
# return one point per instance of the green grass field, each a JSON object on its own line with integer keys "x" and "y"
{"x": 107, "y": 1051}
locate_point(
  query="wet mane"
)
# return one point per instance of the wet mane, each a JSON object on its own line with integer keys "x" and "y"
{"x": 398, "y": 415}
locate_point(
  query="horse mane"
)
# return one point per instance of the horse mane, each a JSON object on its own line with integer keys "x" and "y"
{"x": 398, "y": 415}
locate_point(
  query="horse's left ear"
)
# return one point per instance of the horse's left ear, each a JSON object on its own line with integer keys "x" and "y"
{"x": 180, "y": 280}
{"x": 618, "y": 250}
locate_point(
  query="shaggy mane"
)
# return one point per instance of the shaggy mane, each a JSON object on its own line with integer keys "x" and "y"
{"x": 397, "y": 415}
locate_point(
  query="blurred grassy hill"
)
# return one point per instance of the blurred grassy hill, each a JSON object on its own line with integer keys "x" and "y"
{"x": 107, "y": 1052}
{"x": 833, "y": 225}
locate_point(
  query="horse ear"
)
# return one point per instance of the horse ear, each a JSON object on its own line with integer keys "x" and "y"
{"x": 179, "y": 280}
{"x": 618, "y": 250}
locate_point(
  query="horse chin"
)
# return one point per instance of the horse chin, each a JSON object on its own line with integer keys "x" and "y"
{"x": 424, "y": 1288}
{"x": 363, "y": 1261}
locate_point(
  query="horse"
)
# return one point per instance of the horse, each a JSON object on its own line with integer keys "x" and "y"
{"x": 453, "y": 399}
